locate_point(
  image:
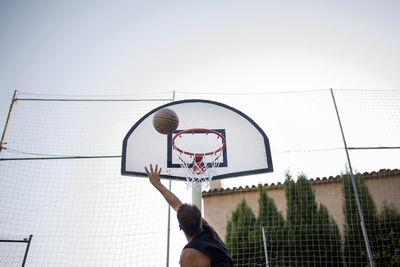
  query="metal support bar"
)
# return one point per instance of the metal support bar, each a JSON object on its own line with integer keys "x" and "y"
{"x": 61, "y": 157}
{"x": 13, "y": 241}
{"x": 265, "y": 246}
{"x": 373, "y": 147}
{"x": 169, "y": 225}
{"x": 27, "y": 249}
{"x": 364, "y": 230}
{"x": 91, "y": 100}
{"x": 169, "y": 209}
{"x": 8, "y": 119}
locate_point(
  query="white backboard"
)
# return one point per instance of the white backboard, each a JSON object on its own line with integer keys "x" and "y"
{"x": 247, "y": 149}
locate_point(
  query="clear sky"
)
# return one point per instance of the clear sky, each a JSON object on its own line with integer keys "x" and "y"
{"x": 126, "y": 47}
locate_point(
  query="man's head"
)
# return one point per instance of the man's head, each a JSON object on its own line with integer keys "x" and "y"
{"x": 189, "y": 218}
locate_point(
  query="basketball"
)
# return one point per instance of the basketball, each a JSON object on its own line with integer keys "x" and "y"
{"x": 165, "y": 121}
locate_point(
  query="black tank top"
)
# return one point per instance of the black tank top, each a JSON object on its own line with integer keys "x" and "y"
{"x": 210, "y": 244}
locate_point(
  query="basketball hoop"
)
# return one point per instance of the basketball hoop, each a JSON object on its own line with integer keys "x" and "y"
{"x": 199, "y": 166}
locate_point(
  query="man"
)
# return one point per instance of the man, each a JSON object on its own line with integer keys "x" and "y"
{"x": 204, "y": 247}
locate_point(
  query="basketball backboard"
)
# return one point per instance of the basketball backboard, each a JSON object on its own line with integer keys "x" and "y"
{"x": 246, "y": 150}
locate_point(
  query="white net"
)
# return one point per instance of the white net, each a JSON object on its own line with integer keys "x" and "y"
{"x": 60, "y": 181}
{"x": 13, "y": 252}
{"x": 199, "y": 152}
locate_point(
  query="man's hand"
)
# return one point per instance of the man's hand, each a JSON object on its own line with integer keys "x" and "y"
{"x": 154, "y": 175}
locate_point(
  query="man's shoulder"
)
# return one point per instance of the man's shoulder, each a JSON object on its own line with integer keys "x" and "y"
{"x": 193, "y": 257}
{"x": 206, "y": 226}
{"x": 193, "y": 253}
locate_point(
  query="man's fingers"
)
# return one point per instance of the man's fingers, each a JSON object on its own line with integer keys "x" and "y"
{"x": 156, "y": 170}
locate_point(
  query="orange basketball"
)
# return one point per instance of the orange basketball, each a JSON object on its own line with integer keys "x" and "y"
{"x": 165, "y": 121}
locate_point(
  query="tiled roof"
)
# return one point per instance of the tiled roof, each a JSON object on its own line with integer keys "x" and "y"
{"x": 367, "y": 175}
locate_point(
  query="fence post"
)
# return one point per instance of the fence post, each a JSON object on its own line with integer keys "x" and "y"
{"x": 364, "y": 230}
{"x": 27, "y": 249}
{"x": 169, "y": 208}
{"x": 265, "y": 246}
{"x": 8, "y": 119}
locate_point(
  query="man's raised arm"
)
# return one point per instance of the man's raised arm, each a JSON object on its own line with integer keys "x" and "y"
{"x": 154, "y": 177}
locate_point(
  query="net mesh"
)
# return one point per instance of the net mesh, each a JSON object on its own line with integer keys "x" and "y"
{"x": 12, "y": 252}
{"x": 60, "y": 181}
{"x": 200, "y": 155}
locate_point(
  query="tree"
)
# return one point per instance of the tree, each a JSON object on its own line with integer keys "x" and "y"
{"x": 308, "y": 237}
{"x": 354, "y": 249}
{"x": 241, "y": 239}
{"x": 314, "y": 236}
{"x": 387, "y": 247}
{"x": 275, "y": 231}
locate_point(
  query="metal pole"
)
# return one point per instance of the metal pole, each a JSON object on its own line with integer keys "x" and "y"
{"x": 196, "y": 195}
{"x": 169, "y": 208}
{"x": 26, "y": 251}
{"x": 8, "y": 119}
{"x": 265, "y": 246}
{"x": 364, "y": 230}
{"x": 169, "y": 225}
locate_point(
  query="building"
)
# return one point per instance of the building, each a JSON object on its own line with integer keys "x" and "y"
{"x": 384, "y": 186}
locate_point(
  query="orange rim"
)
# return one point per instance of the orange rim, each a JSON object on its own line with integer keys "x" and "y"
{"x": 198, "y": 130}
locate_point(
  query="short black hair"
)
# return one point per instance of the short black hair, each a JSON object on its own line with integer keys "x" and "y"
{"x": 189, "y": 218}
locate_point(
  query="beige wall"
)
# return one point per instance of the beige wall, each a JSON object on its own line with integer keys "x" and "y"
{"x": 219, "y": 203}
